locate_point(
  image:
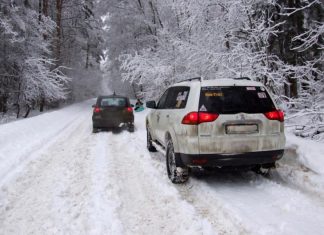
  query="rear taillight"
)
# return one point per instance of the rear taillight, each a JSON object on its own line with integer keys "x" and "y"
{"x": 96, "y": 110}
{"x": 275, "y": 115}
{"x": 190, "y": 119}
{"x": 129, "y": 109}
{"x": 207, "y": 117}
{"x": 195, "y": 118}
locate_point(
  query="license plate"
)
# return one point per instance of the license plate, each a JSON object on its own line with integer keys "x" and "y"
{"x": 242, "y": 129}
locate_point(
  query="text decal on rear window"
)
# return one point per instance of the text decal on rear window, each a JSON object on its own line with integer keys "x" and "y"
{"x": 213, "y": 94}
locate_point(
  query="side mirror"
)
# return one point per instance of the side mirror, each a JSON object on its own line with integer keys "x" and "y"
{"x": 93, "y": 105}
{"x": 151, "y": 104}
{"x": 132, "y": 105}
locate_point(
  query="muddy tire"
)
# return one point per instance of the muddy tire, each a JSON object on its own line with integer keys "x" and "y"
{"x": 149, "y": 143}
{"x": 131, "y": 127}
{"x": 176, "y": 174}
{"x": 264, "y": 170}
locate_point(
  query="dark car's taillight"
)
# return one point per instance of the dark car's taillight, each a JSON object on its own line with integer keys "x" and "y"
{"x": 275, "y": 115}
{"x": 129, "y": 109}
{"x": 195, "y": 118}
{"x": 96, "y": 110}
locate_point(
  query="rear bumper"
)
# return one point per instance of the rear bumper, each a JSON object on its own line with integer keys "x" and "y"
{"x": 219, "y": 160}
{"x": 104, "y": 123}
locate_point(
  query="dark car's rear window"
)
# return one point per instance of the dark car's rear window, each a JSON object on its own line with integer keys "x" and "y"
{"x": 113, "y": 102}
{"x": 235, "y": 99}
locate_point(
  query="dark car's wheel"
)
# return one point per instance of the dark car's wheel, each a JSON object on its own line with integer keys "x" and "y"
{"x": 149, "y": 144}
{"x": 95, "y": 130}
{"x": 177, "y": 175}
{"x": 131, "y": 127}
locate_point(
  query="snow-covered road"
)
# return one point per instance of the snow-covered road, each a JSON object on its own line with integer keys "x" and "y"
{"x": 59, "y": 178}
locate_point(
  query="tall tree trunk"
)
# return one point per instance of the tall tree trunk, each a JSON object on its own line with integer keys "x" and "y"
{"x": 39, "y": 10}
{"x": 58, "y": 30}
{"x": 45, "y": 13}
{"x": 27, "y": 111}
{"x": 42, "y": 103}
{"x": 87, "y": 59}
{"x": 45, "y": 8}
{"x": 26, "y": 3}
{"x": 18, "y": 100}
{"x": 3, "y": 103}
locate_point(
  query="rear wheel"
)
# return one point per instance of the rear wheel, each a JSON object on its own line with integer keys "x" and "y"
{"x": 149, "y": 144}
{"x": 131, "y": 127}
{"x": 177, "y": 174}
{"x": 95, "y": 130}
{"x": 264, "y": 169}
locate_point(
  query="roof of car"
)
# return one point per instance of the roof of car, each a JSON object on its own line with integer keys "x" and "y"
{"x": 223, "y": 82}
{"x": 112, "y": 96}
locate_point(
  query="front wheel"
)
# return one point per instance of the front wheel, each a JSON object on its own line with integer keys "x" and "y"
{"x": 177, "y": 175}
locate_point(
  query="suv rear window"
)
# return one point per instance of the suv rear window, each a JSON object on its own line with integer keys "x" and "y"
{"x": 235, "y": 99}
{"x": 113, "y": 102}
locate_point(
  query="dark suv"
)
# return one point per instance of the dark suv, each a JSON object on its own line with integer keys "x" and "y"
{"x": 112, "y": 111}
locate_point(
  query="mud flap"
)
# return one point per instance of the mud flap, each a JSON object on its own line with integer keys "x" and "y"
{"x": 178, "y": 160}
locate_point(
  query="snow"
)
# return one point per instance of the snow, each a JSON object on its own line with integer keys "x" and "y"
{"x": 57, "y": 177}
{"x": 310, "y": 153}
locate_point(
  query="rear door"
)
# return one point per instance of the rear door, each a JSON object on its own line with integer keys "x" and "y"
{"x": 241, "y": 125}
{"x": 113, "y": 109}
{"x": 156, "y": 116}
{"x": 171, "y": 116}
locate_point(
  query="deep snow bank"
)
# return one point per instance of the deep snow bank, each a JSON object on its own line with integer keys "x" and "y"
{"x": 310, "y": 153}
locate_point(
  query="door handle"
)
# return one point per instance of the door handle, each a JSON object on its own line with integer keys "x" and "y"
{"x": 167, "y": 115}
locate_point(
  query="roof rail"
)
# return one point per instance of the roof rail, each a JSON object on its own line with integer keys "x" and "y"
{"x": 190, "y": 79}
{"x": 243, "y": 78}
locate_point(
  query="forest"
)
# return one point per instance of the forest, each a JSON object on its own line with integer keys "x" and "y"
{"x": 50, "y": 53}
{"x": 63, "y": 50}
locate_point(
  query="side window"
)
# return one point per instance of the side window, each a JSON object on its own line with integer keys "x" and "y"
{"x": 177, "y": 97}
{"x": 161, "y": 103}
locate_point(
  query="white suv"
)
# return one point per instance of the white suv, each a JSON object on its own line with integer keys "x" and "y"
{"x": 215, "y": 123}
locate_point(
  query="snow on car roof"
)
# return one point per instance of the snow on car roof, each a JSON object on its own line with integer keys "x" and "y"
{"x": 230, "y": 82}
{"x": 223, "y": 82}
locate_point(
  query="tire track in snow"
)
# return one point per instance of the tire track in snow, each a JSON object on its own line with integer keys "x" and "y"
{"x": 260, "y": 205}
{"x": 214, "y": 211}
{"x": 149, "y": 202}
{"x": 207, "y": 196}
{"x": 104, "y": 199}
